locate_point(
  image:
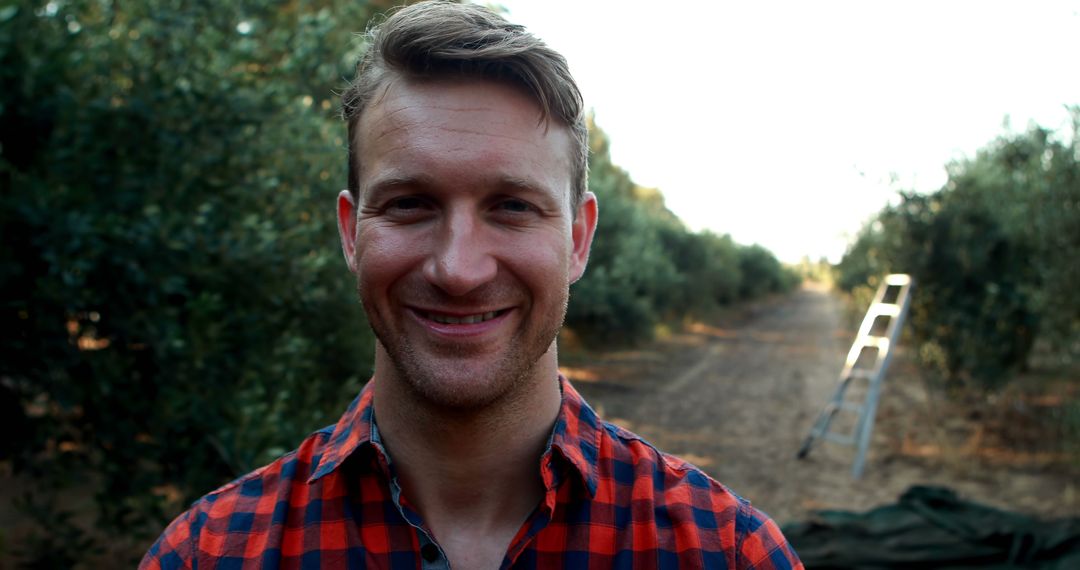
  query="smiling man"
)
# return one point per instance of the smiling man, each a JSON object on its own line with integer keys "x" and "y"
{"x": 466, "y": 220}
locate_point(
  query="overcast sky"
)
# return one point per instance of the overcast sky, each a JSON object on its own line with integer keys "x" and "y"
{"x": 785, "y": 123}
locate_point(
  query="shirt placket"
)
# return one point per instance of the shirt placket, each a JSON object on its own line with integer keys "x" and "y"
{"x": 541, "y": 517}
{"x": 432, "y": 556}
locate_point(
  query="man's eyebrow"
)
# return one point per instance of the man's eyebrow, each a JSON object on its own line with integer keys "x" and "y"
{"x": 376, "y": 189}
{"x": 392, "y": 182}
{"x": 523, "y": 184}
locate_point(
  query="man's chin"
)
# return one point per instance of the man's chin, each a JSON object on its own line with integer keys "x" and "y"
{"x": 462, "y": 384}
{"x": 462, "y": 390}
{"x": 455, "y": 378}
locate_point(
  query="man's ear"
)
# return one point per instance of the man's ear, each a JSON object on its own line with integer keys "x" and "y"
{"x": 582, "y": 229}
{"x": 346, "y": 225}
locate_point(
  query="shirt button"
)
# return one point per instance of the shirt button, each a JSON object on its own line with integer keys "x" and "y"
{"x": 430, "y": 552}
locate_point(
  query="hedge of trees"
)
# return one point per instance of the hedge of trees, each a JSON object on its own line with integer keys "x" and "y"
{"x": 646, "y": 267}
{"x": 995, "y": 254}
{"x": 174, "y": 310}
{"x": 172, "y": 305}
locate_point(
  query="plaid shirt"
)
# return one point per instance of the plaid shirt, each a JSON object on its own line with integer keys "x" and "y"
{"x": 612, "y": 501}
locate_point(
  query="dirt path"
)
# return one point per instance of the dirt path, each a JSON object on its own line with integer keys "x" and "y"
{"x": 738, "y": 400}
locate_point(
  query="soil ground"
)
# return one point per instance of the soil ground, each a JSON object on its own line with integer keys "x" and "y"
{"x": 738, "y": 398}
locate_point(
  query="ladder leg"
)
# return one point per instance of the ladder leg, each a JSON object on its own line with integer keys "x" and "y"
{"x": 805, "y": 449}
{"x": 824, "y": 419}
{"x": 866, "y": 429}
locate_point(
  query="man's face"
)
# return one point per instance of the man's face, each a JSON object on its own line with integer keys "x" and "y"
{"x": 463, "y": 239}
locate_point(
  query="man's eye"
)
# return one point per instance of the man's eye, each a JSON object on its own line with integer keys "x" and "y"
{"x": 406, "y": 203}
{"x": 516, "y": 206}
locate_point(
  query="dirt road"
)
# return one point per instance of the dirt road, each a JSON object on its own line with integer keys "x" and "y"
{"x": 738, "y": 400}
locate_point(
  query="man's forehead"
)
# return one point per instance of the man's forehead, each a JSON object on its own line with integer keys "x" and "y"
{"x": 405, "y": 102}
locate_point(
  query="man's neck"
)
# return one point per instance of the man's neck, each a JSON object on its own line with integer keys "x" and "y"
{"x": 471, "y": 474}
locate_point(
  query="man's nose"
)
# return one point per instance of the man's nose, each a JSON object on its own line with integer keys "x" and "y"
{"x": 462, "y": 259}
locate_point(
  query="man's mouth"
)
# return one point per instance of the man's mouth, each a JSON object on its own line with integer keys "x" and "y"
{"x": 463, "y": 319}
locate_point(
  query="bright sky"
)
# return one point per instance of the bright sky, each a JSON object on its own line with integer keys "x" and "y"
{"x": 784, "y": 123}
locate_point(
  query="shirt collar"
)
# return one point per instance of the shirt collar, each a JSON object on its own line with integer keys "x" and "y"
{"x": 350, "y": 433}
{"x": 575, "y": 436}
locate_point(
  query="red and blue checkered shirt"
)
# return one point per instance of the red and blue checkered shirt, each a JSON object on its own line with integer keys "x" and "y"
{"x": 611, "y": 501}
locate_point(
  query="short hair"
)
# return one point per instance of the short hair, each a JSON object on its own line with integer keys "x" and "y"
{"x": 440, "y": 39}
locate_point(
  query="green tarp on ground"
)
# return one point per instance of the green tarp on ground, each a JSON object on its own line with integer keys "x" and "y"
{"x": 931, "y": 527}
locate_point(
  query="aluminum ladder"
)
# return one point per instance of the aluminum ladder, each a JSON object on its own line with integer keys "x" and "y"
{"x": 877, "y": 337}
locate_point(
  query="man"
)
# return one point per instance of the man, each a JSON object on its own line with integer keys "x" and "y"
{"x": 465, "y": 222}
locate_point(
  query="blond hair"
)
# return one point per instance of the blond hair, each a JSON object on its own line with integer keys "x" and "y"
{"x": 441, "y": 39}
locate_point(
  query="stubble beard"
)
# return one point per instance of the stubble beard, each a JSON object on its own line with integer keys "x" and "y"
{"x": 439, "y": 383}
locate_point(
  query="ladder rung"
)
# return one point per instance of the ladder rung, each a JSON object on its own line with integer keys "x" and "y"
{"x": 884, "y": 309}
{"x": 898, "y": 279}
{"x": 861, "y": 373}
{"x": 851, "y": 407}
{"x": 843, "y": 406}
{"x": 837, "y": 438}
{"x": 881, "y": 342}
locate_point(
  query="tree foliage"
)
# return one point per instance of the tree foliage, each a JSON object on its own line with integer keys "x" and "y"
{"x": 993, "y": 254}
{"x": 171, "y": 294}
{"x": 647, "y": 267}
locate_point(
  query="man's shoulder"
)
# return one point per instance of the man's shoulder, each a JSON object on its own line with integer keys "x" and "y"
{"x": 683, "y": 497}
{"x": 629, "y": 459}
{"x": 296, "y": 466}
{"x": 248, "y": 504}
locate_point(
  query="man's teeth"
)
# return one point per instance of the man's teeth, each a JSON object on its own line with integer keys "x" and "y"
{"x": 466, "y": 320}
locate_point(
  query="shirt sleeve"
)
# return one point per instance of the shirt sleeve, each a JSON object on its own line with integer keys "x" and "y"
{"x": 760, "y": 544}
{"x": 173, "y": 549}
